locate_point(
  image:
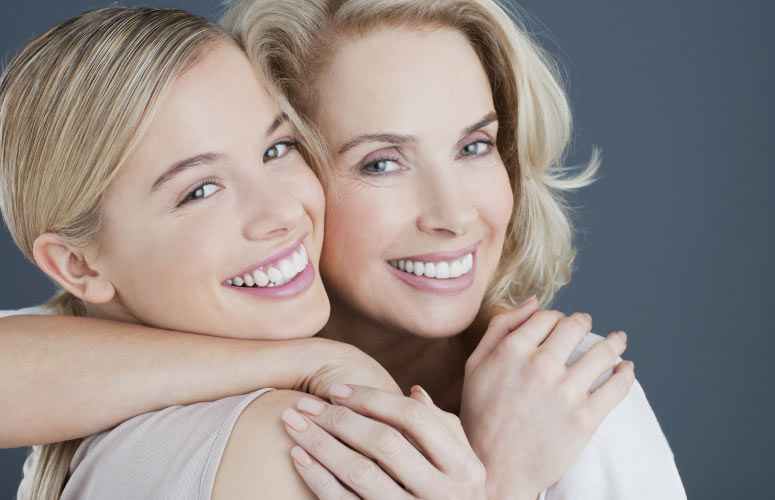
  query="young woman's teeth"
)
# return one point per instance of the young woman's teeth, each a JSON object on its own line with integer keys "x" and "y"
{"x": 440, "y": 270}
{"x": 277, "y": 274}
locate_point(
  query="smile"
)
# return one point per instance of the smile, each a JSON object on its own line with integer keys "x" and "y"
{"x": 440, "y": 272}
{"x": 441, "y": 269}
{"x": 281, "y": 273}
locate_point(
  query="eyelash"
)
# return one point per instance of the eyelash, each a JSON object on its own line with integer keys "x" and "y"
{"x": 189, "y": 196}
{"x": 490, "y": 143}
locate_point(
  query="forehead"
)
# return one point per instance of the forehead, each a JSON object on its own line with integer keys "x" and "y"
{"x": 408, "y": 77}
{"x": 217, "y": 105}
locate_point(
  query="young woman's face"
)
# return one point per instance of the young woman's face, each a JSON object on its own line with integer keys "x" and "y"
{"x": 420, "y": 200}
{"x": 216, "y": 191}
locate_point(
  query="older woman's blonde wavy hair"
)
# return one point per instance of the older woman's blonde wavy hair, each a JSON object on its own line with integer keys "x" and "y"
{"x": 293, "y": 41}
{"x": 73, "y": 104}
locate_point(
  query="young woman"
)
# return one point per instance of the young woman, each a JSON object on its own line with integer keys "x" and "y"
{"x": 150, "y": 309}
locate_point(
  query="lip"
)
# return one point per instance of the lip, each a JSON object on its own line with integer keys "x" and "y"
{"x": 434, "y": 285}
{"x": 445, "y": 255}
{"x": 273, "y": 258}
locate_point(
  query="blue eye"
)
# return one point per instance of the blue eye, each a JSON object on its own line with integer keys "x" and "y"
{"x": 203, "y": 190}
{"x": 384, "y": 166}
{"x": 477, "y": 148}
{"x": 278, "y": 150}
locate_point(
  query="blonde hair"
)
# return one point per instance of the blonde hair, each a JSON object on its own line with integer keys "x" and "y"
{"x": 73, "y": 104}
{"x": 295, "y": 40}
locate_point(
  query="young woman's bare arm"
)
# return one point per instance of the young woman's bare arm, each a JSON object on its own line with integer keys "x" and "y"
{"x": 67, "y": 377}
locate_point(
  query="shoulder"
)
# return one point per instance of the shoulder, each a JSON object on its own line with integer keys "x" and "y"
{"x": 627, "y": 457}
{"x": 256, "y": 462}
{"x": 172, "y": 453}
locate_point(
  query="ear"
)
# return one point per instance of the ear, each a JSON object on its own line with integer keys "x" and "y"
{"x": 67, "y": 265}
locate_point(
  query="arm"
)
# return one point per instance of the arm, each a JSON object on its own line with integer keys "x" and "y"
{"x": 66, "y": 377}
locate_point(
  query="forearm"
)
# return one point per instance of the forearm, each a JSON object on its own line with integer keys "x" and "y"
{"x": 65, "y": 377}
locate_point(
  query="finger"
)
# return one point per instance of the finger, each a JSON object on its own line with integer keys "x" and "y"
{"x": 614, "y": 390}
{"x": 451, "y": 421}
{"x": 412, "y": 418}
{"x": 397, "y": 456}
{"x": 500, "y": 326}
{"x": 536, "y": 328}
{"x": 319, "y": 480}
{"x": 361, "y": 474}
{"x": 600, "y": 358}
{"x": 567, "y": 335}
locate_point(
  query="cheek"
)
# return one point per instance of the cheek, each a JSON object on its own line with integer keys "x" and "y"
{"x": 498, "y": 205}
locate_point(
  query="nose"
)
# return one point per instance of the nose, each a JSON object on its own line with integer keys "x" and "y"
{"x": 272, "y": 210}
{"x": 447, "y": 208}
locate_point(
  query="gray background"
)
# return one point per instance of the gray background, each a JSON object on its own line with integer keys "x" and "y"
{"x": 676, "y": 237}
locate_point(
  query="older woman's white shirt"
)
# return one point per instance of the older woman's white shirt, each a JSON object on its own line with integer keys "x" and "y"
{"x": 628, "y": 457}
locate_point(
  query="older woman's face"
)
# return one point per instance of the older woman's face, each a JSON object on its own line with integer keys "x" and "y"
{"x": 419, "y": 202}
{"x": 215, "y": 198}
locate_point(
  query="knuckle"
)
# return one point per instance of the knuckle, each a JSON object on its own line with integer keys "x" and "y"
{"x": 388, "y": 442}
{"x": 577, "y": 320}
{"x": 363, "y": 473}
{"x": 322, "y": 483}
{"x": 550, "y": 315}
{"x": 542, "y": 364}
{"x": 514, "y": 345}
{"x": 336, "y": 416}
{"x": 567, "y": 393}
{"x": 317, "y": 442}
{"x": 415, "y": 414}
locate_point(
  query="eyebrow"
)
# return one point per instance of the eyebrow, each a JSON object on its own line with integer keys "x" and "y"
{"x": 490, "y": 117}
{"x": 182, "y": 165}
{"x": 403, "y": 139}
{"x": 206, "y": 158}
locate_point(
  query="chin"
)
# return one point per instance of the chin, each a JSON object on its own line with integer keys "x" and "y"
{"x": 438, "y": 326}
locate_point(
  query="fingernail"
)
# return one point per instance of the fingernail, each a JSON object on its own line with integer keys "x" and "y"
{"x": 311, "y": 406}
{"x": 528, "y": 300}
{"x": 301, "y": 457}
{"x": 294, "y": 420}
{"x": 622, "y": 334}
{"x": 417, "y": 388}
{"x": 632, "y": 364}
{"x": 339, "y": 391}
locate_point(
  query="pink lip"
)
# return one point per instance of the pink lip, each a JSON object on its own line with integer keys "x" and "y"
{"x": 297, "y": 285}
{"x": 275, "y": 257}
{"x": 447, "y": 255}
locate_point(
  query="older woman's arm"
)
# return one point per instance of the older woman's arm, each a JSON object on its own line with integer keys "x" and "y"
{"x": 67, "y": 377}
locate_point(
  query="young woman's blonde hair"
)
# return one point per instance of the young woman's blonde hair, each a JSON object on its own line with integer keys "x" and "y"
{"x": 295, "y": 40}
{"x": 73, "y": 104}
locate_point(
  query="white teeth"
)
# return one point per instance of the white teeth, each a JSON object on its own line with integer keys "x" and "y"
{"x": 238, "y": 281}
{"x": 228, "y": 282}
{"x": 249, "y": 280}
{"x": 298, "y": 262}
{"x": 455, "y": 269}
{"x": 286, "y": 267}
{"x": 275, "y": 275}
{"x": 439, "y": 270}
{"x": 261, "y": 278}
{"x": 304, "y": 255}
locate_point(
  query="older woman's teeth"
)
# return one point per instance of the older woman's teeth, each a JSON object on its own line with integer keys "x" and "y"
{"x": 439, "y": 270}
{"x": 278, "y": 274}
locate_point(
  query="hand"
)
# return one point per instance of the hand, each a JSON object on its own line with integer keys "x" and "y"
{"x": 344, "y": 364}
{"x": 420, "y": 451}
{"x": 526, "y": 413}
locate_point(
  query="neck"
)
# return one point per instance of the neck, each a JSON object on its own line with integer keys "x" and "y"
{"x": 436, "y": 364}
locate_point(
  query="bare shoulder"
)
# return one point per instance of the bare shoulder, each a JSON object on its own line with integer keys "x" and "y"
{"x": 256, "y": 462}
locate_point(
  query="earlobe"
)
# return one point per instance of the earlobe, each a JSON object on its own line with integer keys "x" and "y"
{"x": 67, "y": 266}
